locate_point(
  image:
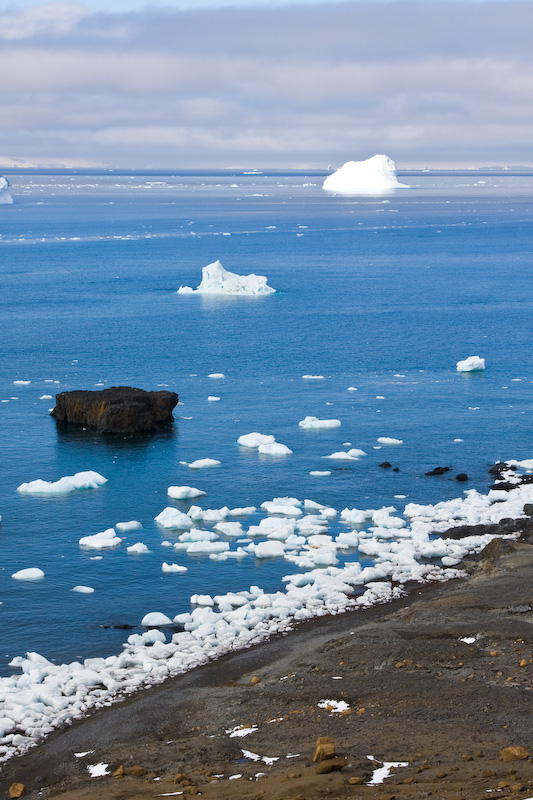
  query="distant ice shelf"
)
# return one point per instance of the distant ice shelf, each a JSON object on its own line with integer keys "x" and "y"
{"x": 376, "y": 175}
{"x": 217, "y": 280}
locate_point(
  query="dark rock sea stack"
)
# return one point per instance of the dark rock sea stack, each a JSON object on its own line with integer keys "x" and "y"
{"x": 119, "y": 409}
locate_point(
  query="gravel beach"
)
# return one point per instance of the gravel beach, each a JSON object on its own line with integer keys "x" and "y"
{"x": 437, "y": 683}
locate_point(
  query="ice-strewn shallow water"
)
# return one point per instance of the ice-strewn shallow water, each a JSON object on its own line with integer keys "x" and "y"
{"x": 379, "y": 296}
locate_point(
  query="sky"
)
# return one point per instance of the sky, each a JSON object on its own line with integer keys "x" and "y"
{"x": 259, "y": 83}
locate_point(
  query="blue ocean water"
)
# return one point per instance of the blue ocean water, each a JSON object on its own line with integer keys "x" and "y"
{"x": 381, "y": 294}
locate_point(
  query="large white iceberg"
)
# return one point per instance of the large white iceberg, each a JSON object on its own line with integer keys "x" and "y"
{"x": 376, "y": 175}
{"x": 5, "y": 197}
{"x": 217, "y": 280}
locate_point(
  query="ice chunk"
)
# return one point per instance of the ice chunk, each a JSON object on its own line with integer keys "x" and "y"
{"x": 184, "y": 492}
{"x": 271, "y": 549}
{"x": 217, "y": 280}
{"x": 137, "y": 548}
{"x": 471, "y": 364}
{"x": 274, "y": 449}
{"x": 313, "y": 377}
{"x": 66, "y": 485}
{"x": 255, "y": 440}
{"x": 389, "y": 440}
{"x": 155, "y": 619}
{"x": 212, "y": 398}
{"x": 174, "y": 519}
{"x": 216, "y": 375}
{"x": 319, "y": 473}
{"x": 376, "y": 175}
{"x": 315, "y": 424}
{"x": 28, "y": 574}
{"x": 5, "y": 197}
{"x": 202, "y": 463}
{"x": 124, "y": 527}
{"x": 169, "y": 569}
{"x": 83, "y": 589}
{"x": 100, "y": 541}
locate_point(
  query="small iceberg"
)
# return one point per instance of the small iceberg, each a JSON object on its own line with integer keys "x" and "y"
{"x": 217, "y": 280}
{"x": 28, "y": 574}
{"x": 313, "y": 423}
{"x": 471, "y": 364}
{"x": 64, "y": 486}
{"x": 5, "y": 197}
{"x": 376, "y": 175}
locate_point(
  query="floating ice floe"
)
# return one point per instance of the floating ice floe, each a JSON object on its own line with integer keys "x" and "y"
{"x": 137, "y": 548}
{"x": 354, "y": 454}
{"x": 389, "y": 440}
{"x": 5, "y": 196}
{"x": 101, "y": 541}
{"x": 313, "y": 377}
{"x": 217, "y": 280}
{"x": 126, "y": 527}
{"x": 202, "y": 463}
{"x": 21, "y": 383}
{"x": 66, "y": 485}
{"x": 376, "y": 175}
{"x": 28, "y": 574}
{"x": 155, "y": 619}
{"x": 274, "y": 449}
{"x": 254, "y": 440}
{"x": 316, "y": 473}
{"x": 212, "y": 398}
{"x": 170, "y": 569}
{"x": 316, "y": 424}
{"x": 471, "y": 364}
{"x": 184, "y": 492}
{"x": 83, "y": 589}
{"x": 173, "y": 519}
{"x": 216, "y": 375}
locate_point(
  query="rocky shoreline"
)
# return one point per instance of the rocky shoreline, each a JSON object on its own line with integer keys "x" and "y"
{"x": 439, "y": 680}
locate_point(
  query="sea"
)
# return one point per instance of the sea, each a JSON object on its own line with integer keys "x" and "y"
{"x": 377, "y": 298}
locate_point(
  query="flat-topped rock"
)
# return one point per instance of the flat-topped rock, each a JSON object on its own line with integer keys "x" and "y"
{"x": 119, "y": 409}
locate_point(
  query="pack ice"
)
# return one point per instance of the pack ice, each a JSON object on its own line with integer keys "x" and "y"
{"x": 217, "y": 280}
{"x": 376, "y": 175}
{"x": 5, "y": 197}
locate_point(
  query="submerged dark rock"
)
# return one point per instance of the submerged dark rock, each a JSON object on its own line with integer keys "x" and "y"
{"x": 438, "y": 471}
{"x": 120, "y": 409}
{"x": 461, "y": 477}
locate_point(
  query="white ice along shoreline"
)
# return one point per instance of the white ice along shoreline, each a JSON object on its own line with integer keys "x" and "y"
{"x": 217, "y": 280}
{"x": 376, "y": 175}
{"x": 5, "y": 196}
{"x": 404, "y": 548}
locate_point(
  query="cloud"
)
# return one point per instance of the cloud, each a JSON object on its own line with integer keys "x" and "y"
{"x": 425, "y": 82}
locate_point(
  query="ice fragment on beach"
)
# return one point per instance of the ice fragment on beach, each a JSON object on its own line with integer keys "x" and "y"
{"x": 383, "y": 772}
{"x": 471, "y": 364}
{"x": 334, "y": 706}
{"x": 376, "y": 175}
{"x": 241, "y": 730}
{"x": 316, "y": 424}
{"x": 66, "y": 485}
{"x": 217, "y": 280}
{"x": 28, "y": 574}
{"x": 98, "y": 770}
